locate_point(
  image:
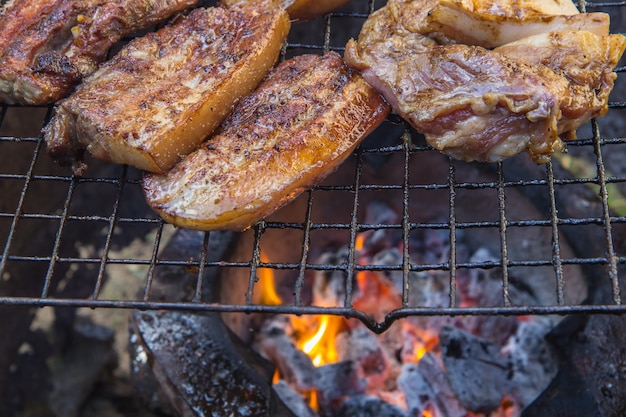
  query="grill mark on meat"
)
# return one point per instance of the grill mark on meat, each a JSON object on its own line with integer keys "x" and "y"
{"x": 302, "y": 121}
{"x": 150, "y": 104}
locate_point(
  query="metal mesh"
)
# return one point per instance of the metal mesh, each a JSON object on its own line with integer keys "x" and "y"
{"x": 62, "y": 237}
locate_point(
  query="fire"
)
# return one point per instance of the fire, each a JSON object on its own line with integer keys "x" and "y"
{"x": 269, "y": 296}
{"x": 320, "y": 347}
{"x": 420, "y": 351}
{"x": 359, "y": 242}
{"x": 319, "y": 343}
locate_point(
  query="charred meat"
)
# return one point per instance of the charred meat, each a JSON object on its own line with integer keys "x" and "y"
{"x": 48, "y": 46}
{"x": 475, "y": 103}
{"x": 296, "y": 128}
{"x": 164, "y": 93}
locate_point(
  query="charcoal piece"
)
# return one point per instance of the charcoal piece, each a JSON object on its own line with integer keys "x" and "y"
{"x": 366, "y": 406}
{"x": 592, "y": 374}
{"x": 416, "y": 389}
{"x": 338, "y": 380}
{"x": 446, "y": 400}
{"x": 567, "y": 395}
{"x": 362, "y": 347}
{"x": 425, "y": 386}
{"x": 203, "y": 369}
{"x": 294, "y": 400}
{"x": 294, "y": 365}
{"x": 533, "y": 362}
{"x": 145, "y": 386}
{"x": 478, "y": 374}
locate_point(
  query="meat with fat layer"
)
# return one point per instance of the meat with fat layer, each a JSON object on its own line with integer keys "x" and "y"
{"x": 478, "y": 104}
{"x": 297, "y": 127}
{"x": 299, "y": 10}
{"x": 585, "y": 59}
{"x": 48, "y": 46}
{"x": 164, "y": 93}
{"x": 492, "y": 23}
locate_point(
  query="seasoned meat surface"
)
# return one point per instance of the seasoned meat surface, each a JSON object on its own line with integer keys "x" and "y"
{"x": 296, "y": 128}
{"x": 163, "y": 93}
{"x": 475, "y": 103}
{"x": 48, "y": 46}
{"x": 299, "y": 10}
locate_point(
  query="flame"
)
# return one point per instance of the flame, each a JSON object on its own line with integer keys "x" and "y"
{"x": 420, "y": 351}
{"x": 320, "y": 346}
{"x": 359, "y": 242}
{"x": 427, "y": 413}
{"x": 269, "y": 296}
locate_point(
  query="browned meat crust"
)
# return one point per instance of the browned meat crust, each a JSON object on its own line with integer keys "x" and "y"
{"x": 162, "y": 94}
{"x": 296, "y": 128}
{"x": 48, "y": 46}
{"x": 299, "y": 10}
{"x": 479, "y": 104}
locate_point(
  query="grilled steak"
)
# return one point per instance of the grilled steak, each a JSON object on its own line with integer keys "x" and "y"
{"x": 299, "y": 10}
{"x": 478, "y": 104}
{"x": 48, "y": 46}
{"x": 162, "y": 94}
{"x": 297, "y": 127}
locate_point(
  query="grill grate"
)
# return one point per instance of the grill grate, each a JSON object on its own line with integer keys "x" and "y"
{"x": 55, "y": 227}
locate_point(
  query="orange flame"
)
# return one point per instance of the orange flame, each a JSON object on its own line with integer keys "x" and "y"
{"x": 320, "y": 346}
{"x": 359, "y": 242}
{"x": 269, "y": 296}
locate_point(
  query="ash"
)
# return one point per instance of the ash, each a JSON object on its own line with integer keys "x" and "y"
{"x": 438, "y": 366}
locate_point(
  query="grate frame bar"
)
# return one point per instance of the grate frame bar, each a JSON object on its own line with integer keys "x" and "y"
{"x": 57, "y": 261}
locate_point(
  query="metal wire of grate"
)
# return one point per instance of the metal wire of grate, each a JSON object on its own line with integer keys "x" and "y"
{"x": 62, "y": 238}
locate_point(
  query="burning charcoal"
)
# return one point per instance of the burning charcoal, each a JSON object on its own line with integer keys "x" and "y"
{"x": 366, "y": 406}
{"x": 425, "y": 387}
{"x": 293, "y": 400}
{"x": 202, "y": 367}
{"x": 338, "y": 380}
{"x": 329, "y": 287}
{"x": 479, "y": 376}
{"x": 448, "y": 405}
{"x": 362, "y": 347}
{"x": 391, "y": 257}
{"x": 294, "y": 365}
{"x": 416, "y": 389}
{"x": 532, "y": 361}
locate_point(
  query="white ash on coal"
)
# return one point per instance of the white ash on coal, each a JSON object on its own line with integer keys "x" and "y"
{"x": 436, "y": 365}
